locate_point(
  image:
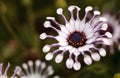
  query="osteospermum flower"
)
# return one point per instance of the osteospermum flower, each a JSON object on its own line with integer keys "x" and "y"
{"x": 37, "y": 70}
{"x": 114, "y": 29}
{"x": 4, "y": 74}
{"x": 76, "y": 37}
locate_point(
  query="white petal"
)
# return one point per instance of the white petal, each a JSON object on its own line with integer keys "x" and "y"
{"x": 85, "y": 48}
{"x": 37, "y": 63}
{"x": 69, "y": 63}
{"x": 73, "y": 50}
{"x": 50, "y": 18}
{"x": 47, "y": 24}
{"x": 72, "y": 24}
{"x": 25, "y": 66}
{"x": 68, "y": 48}
{"x": 89, "y": 34}
{"x": 59, "y": 11}
{"x": 50, "y": 70}
{"x": 62, "y": 34}
{"x": 63, "y": 43}
{"x": 59, "y": 58}
{"x": 65, "y": 30}
{"x": 108, "y": 34}
{"x": 105, "y": 40}
{"x": 97, "y": 13}
{"x": 81, "y": 26}
{"x": 78, "y": 8}
{"x": 103, "y": 19}
{"x": 77, "y": 66}
{"x": 60, "y": 38}
{"x": 61, "y": 48}
{"x": 104, "y": 26}
{"x": 89, "y": 8}
{"x": 108, "y": 41}
{"x": 87, "y": 60}
{"x": 77, "y": 25}
{"x": 30, "y": 63}
{"x": 82, "y": 48}
{"x": 43, "y": 65}
{"x": 91, "y": 40}
{"x": 43, "y": 36}
{"x": 102, "y": 52}
{"x": 46, "y": 48}
{"x": 76, "y": 52}
{"x": 71, "y": 8}
{"x": 49, "y": 56}
{"x": 95, "y": 56}
{"x": 88, "y": 31}
{"x": 69, "y": 27}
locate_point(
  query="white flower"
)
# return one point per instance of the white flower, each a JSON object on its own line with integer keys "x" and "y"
{"x": 37, "y": 70}
{"x": 113, "y": 27}
{"x": 4, "y": 74}
{"x": 76, "y": 37}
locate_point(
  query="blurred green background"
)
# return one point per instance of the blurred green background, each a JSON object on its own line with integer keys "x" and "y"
{"x": 21, "y": 23}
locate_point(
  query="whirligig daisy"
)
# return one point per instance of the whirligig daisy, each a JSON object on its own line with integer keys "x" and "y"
{"x": 77, "y": 37}
{"x": 4, "y": 74}
{"x": 35, "y": 70}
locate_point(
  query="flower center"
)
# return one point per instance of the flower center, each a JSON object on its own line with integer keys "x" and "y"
{"x": 76, "y": 39}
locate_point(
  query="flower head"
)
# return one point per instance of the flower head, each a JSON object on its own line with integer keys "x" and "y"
{"x": 77, "y": 37}
{"x": 37, "y": 70}
{"x": 114, "y": 29}
{"x": 4, "y": 74}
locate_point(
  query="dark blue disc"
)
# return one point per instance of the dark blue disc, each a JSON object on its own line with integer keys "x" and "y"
{"x": 76, "y": 37}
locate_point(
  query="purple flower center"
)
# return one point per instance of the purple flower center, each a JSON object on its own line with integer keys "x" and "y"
{"x": 76, "y": 39}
